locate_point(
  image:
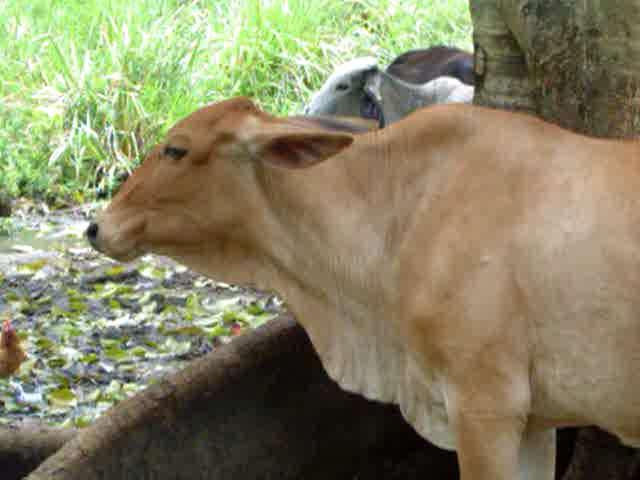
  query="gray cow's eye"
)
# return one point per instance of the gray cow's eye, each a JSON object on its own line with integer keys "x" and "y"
{"x": 174, "y": 152}
{"x": 341, "y": 87}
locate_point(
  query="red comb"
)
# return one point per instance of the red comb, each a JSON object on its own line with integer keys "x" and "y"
{"x": 7, "y": 325}
{"x": 8, "y": 333}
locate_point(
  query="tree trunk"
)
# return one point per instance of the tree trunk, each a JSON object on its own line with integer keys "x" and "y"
{"x": 572, "y": 62}
{"x": 575, "y": 63}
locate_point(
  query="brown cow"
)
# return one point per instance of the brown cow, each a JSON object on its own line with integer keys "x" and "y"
{"x": 479, "y": 268}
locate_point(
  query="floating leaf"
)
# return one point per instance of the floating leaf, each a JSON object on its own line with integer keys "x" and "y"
{"x": 62, "y": 397}
{"x": 89, "y": 359}
{"x": 138, "y": 351}
{"x": 116, "y": 353}
{"x": 176, "y": 347}
{"x": 73, "y": 293}
{"x": 218, "y": 331}
{"x": 114, "y": 271}
{"x": 229, "y": 317}
{"x": 78, "y": 306}
{"x": 44, "y": 343}
{"x": 93, "y": 396}
{"x": 56, "y": 362}
{"x": 152, "y": 272}
{"x": 82, "y": 421}
{"x": 72, "y": 331}
{"x": 187, "y": 330}
{"x": 33, "y": 266}
{"x": 254, "y": 309}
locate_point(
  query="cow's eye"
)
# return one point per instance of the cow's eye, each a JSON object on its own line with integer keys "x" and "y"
{"x": 341, "y": 87}
{"x": 175, "y": 152}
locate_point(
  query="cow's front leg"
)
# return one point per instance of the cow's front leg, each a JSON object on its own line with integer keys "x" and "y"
{"x": 493, "y": 439}
{"x": 488, "y": 444}
{"x": 538, "y": 454}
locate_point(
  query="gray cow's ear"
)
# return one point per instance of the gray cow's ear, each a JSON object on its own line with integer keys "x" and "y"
{"x": 372, "y": 84}
{"x": 372, "y": 106}
{"x": 395, "y": 98}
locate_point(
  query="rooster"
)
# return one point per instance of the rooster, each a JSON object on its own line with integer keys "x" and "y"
{"x": 11, "y": 353}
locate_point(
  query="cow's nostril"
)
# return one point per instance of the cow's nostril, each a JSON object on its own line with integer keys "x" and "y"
{"x": 92, "y": 231}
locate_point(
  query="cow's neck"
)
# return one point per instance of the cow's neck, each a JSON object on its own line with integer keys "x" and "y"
{"x": 327, "y": 226}
{"x": 326, "y": 237}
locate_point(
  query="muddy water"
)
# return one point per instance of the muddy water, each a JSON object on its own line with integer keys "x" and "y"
{"x": 44, "y": 231}
{"x": 29, "y": 238}
{"x": 36, "y": 235}
{"x": 97, "y": 331}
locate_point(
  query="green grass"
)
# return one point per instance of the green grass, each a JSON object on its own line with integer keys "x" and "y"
{"x": 86, "y": 86}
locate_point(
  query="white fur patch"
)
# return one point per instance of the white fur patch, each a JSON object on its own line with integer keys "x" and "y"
{"x": 351, "y": 74}
{"x": 352, "y": 67}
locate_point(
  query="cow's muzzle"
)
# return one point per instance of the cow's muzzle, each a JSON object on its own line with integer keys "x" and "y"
{"x": 92, "y": 234}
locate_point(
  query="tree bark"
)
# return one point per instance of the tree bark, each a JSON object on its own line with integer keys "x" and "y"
{"x": 572, "y": 62}
{"x": 575, "y": 63}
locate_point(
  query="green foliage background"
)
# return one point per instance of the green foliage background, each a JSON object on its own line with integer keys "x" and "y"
{"x": 86, "y": 86}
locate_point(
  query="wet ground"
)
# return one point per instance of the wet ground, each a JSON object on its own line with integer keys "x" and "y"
{"x": 97, "y": 331}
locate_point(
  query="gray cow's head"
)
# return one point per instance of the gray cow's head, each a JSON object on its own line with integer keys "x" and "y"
{"x": 360, "y": 88}
{"x": 396, "y": 99}
{"x": 343, "y": 93}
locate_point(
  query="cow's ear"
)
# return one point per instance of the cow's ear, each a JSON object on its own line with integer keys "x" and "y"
{"x": 297, "y": 148}
{"x": 372, "y": 105}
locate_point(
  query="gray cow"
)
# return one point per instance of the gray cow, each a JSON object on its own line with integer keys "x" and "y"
{"x": 343, "y": 93}
{"x": 360, "y": 88}
{"x": 396, "y": 99}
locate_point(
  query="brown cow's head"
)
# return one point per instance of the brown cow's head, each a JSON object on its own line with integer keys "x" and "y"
{"x": 196, "y": 193}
